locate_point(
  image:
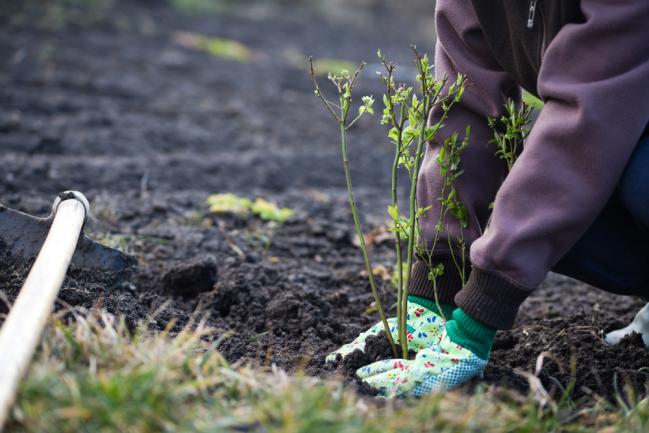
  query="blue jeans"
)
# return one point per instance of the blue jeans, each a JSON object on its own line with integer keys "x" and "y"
{"x": 613, "y": 254}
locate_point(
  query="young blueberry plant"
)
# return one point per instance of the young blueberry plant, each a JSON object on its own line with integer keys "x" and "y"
{"x": 344, "y": 84}
{"x": 510, "y": 131}
{"x": 448, "y": 159}
{"x": 406, "y": 111}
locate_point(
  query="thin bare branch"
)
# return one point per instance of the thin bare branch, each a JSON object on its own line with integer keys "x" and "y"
{"x": 319, "y": 94}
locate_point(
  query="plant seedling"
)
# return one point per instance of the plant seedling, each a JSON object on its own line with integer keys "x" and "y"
{"x": 510, "y": 131}
{"x": 344, "y": 84}
{"x": 406, "y": 111}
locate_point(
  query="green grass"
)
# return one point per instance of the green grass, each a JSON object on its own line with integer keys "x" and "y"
{"x": 96, "y": 376}
{"x": 217, "y": 47}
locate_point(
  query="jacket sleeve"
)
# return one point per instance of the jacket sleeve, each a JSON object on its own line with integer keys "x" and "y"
{"x": 594, "y": 80}
{"x": 461, "y": 48}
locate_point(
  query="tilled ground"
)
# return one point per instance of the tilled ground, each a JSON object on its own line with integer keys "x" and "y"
{"x": 148, "y": 129}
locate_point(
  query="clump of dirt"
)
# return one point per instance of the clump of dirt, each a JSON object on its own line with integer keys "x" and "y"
{"x": 186, "y": 279}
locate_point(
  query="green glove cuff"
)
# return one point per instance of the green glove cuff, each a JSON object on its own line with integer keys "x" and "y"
{"x": 470, "y": 334}
{"x": 447, "y": 309}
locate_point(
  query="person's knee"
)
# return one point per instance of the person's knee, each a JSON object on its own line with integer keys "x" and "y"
{"x": 634, "y": 187}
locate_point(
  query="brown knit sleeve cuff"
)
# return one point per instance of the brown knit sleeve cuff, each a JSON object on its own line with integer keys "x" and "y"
{"x": 448, "y": 284}
{"x": 491, "y": 299}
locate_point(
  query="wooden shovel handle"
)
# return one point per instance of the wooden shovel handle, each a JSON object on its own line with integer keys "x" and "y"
{"x": 22, "y": 329}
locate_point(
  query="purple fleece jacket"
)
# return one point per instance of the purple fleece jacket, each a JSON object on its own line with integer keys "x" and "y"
{"x": 594, "y": 80}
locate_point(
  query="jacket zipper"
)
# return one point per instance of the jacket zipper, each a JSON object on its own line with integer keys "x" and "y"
{"x": 531, "y": 16}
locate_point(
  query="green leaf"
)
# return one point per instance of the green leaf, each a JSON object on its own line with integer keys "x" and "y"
{"x": 393, "y": 211}
{"x": 229, "y": 203}
{"x": 393, "y": 134}
{"x": 269, "y": 211}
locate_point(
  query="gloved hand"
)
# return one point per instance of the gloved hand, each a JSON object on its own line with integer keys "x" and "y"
{"x": 439, "y": 368}
{"x": 424, "y": 329}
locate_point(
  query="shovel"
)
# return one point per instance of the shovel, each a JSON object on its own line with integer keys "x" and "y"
{"x": 58, "y": 240}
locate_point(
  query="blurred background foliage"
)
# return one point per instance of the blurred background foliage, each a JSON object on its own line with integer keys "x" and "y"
{"x": 54, "y": 15}
{"x": 57, "y": 14}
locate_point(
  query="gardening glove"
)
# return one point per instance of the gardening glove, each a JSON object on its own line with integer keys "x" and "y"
{"x": 640, "y": 325}
{"x": 424, "y": 328}
{"x": 435, "y": 369}
{"x": 438, "y": 368}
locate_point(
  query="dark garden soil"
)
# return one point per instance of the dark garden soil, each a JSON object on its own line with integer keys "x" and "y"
{"x": 147, "y": 129}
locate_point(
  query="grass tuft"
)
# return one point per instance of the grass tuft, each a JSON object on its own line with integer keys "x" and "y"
{"x": 94, "y": 375}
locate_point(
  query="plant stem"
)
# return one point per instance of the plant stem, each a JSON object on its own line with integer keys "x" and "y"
{"x": 397, "y": 234}
{"x": 413, "y": 207}
{"x": 359, "y": 233}
{"x": 412, "y": 217}
{"x": 458, "y": 265}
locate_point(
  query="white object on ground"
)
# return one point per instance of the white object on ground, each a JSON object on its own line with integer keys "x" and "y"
{"x": 21, "y": 331}
{"x": 640, "y": 324}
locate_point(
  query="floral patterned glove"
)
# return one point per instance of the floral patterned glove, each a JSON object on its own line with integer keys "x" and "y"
{"x": 424, "y": 329}
{"x": 440, "y": 368}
